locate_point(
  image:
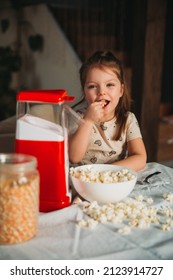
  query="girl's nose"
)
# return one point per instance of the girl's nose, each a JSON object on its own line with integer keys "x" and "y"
{"x": 101, "y": 91}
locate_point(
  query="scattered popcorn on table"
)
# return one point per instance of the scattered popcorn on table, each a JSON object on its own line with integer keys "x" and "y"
{"x": 91, "y": 223}
{"x": 167, "y": 211}
{"x": 125, "y": 230}
{"x": 139, "y": 197}
{"x": 149, "y": 200}
{"x": 168, "y": 197}
{"x": 167, "y": 225}
{"x": 82, "y": 223}
{"x": 133, "y": 213}
{"x": 77, "y": 200}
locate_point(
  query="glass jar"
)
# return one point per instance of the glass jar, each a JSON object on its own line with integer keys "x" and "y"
{"x": 19, "y": 197}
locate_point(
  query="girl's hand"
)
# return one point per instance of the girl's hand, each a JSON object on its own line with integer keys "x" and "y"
{"x": 95, "y": 111}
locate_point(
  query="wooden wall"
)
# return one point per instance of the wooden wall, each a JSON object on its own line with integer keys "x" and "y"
{"x": 147, "y": 65}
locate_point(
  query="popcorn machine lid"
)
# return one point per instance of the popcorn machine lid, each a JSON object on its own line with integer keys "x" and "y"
{"x": 47, "y": 96}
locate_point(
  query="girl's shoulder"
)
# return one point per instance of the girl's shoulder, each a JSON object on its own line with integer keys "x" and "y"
{"x": 131, "y": 120}
{"x": 131, "y": 117}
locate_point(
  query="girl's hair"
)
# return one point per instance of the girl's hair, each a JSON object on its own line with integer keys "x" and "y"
{"x": 104, "y": 60}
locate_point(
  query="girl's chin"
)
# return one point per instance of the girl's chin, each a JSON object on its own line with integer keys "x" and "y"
{"x": 107, "y": 117}
{"x": 108, "y": 110}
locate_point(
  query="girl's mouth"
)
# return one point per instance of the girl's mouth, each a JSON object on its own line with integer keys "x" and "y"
{"x": 106, "y": 102}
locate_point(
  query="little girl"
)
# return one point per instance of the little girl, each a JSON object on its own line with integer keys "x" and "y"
{"x": 110, "y": 132}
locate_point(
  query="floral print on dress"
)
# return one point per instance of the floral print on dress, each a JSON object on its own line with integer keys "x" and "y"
{"x": 93, "y": 159}
{"x": 103, "y": 127}
{"x": 112, "y": 153}
{"x": 94, "y": 130}
{"x": 98, "y": 142}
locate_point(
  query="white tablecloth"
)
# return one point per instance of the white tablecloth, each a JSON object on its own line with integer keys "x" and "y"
{"x": 60, "y": 237}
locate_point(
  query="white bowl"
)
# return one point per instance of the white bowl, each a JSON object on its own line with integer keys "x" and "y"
{"x": 103, "y": 192}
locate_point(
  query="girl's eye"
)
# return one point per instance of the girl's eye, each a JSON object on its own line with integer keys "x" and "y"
{"x": 110, "y": 85}
{"x": 92, "y": 86}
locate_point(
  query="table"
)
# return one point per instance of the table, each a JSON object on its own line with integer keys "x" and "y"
{"x": 60, "y": 237}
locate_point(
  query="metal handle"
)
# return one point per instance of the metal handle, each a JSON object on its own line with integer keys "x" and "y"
{"x": 151, "y": 175}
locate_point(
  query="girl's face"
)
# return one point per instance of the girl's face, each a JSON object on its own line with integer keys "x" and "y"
{"x": 103, "y": 85}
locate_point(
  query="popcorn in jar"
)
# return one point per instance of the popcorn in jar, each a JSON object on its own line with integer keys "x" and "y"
{"x": 19, "y": 198}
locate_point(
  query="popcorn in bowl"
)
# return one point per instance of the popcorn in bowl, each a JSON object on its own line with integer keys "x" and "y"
{"x": 103, "y": 183}
{"x": 106, "y": 176}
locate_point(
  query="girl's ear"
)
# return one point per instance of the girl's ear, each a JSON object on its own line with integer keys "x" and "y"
{"x": 122, "y": 89}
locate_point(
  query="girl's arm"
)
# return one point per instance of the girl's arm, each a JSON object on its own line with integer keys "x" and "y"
{"x": 137, "y": 156}
{"x": 78, "y": 142}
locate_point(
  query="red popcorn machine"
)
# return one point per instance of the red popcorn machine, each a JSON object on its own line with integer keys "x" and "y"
{"x": 42, "y": 131}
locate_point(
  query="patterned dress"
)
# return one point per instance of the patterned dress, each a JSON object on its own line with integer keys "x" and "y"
{"x": 103, "y": 148}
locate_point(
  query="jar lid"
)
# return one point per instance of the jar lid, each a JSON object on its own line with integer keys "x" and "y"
{"x": 17, "y": 162}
